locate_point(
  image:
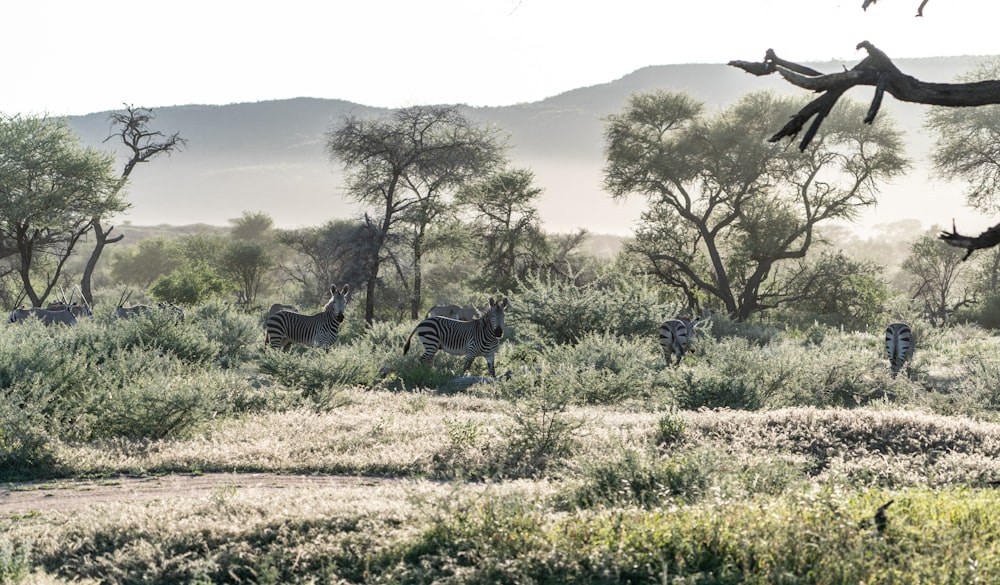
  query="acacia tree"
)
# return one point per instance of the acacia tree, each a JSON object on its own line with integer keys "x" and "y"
{"x": 332, "y": 252}
{"x": 726, "y": 207}
{"x": 937, "y": 272}
{"x": 403, "y": 165}
{"x": 507, "y": 225}
{"x": 132, "y": 127}
{"x": 51, "y": 189}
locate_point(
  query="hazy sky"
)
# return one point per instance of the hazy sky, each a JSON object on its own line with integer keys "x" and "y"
{"x": 68, "y": 57}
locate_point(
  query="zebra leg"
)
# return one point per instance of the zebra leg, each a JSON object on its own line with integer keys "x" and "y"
{"x": 468, "y": 362}
{"x": 489, "y": 365}
{"x": 428, "y": 356}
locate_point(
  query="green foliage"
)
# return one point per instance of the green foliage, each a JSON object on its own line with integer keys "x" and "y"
{"x": 814, "y": 537}
{"x": 726, "y": 209}
{"x": 562, "y": 312}
{"x": 541, "y": 433}
{"x": 191, "y": 284}
{"x": 643, "y": 479}
{"x": 15, "y": 562}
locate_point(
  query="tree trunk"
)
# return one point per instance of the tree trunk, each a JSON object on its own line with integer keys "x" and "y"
{"x": 418, "y": 253}
{"x": 101, "y": 239}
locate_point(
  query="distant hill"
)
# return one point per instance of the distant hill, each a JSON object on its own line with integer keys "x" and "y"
{"x": 269, "y": 156}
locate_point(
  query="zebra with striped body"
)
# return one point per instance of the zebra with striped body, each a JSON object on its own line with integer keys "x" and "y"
{"x": 320, "y": 330}
{"x": 899, "y": 345}
{"x": 675, "y": 337}
{"x": 472, "y": 339}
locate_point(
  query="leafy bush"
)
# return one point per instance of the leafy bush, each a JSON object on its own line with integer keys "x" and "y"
{"x": 563, "y": 313}
{"x": 643, "y": 479}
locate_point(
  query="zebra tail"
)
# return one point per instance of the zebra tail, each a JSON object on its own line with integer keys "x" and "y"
{"x": 406, "y": 346}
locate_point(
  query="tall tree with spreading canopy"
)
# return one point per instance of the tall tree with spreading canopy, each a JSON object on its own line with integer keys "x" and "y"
{"x": 727, "y": 207}
{"x": 51, "y": 189}
{"x": 404, "y": 165}
{"x": 131, "y": 126}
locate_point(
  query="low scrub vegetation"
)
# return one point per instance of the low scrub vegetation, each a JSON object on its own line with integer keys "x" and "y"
{"x": 762, "y": 457}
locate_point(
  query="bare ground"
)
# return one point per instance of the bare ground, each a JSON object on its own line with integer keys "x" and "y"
{"x": 67, "y": 495}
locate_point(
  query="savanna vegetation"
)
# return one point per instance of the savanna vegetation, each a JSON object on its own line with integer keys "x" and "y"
{"x": 780, "y": 450}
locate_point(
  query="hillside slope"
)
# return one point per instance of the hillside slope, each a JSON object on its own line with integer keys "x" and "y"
{"x": 269, "y": 156}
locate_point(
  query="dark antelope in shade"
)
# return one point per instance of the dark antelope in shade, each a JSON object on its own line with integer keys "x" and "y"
{"x": 899, "y": 346}
{"x": 472, "y": 339}
{"x": 320, "y": 330}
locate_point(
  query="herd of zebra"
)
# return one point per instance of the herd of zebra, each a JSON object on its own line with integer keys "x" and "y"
{"x": 455, "y": 330}
{"x": 473, "y": 333}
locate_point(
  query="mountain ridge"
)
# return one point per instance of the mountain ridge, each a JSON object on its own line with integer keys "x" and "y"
{"x": 269, "y": 155}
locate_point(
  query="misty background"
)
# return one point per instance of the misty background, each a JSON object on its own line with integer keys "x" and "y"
{"x": 270, "y": 156}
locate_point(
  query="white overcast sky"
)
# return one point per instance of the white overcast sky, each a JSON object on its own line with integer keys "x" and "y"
{"x": 69, "y": 57}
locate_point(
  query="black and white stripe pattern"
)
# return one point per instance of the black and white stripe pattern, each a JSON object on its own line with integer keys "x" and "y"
{"x": 320, "y": 330}
{"x": 676, "y": 334}
{"x": 472, "y": 339}
{"x": 899, "y": 345}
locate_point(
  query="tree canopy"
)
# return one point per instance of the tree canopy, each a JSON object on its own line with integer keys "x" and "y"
{"x": 51, "y": 189}
{"x": 726, "y": 207}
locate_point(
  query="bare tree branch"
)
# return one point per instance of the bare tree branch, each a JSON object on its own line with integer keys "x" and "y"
{"x": 876, "y": 70}
{"x": 987, "y": 239}
{"x": 920, "y": 9}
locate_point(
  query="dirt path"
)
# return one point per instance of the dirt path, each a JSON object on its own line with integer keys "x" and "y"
{"x": 66, "y": 495}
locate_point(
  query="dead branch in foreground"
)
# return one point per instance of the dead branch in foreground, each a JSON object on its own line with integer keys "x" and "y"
{"x": 876, "y": 70}
{"x": 987, "y": 239}
{"x": 920, "y": 9}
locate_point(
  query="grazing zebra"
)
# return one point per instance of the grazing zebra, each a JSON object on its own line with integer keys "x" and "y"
{"x": 320, "y": 330}
{"x": 675, "y": 336}
{"x": 472, "y": 339}
{"x": 899, "y": 345}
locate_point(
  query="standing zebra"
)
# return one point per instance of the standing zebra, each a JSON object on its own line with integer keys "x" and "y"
{"x": 319, "y": 330}
{"x": 472, "y": 339}
{"x": 675, "y": 336}
{"x": 899, "y": 345}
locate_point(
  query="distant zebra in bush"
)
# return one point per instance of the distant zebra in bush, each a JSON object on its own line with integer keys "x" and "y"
{"x": 899, "y": 346}
{"x": 472, "y": 339}
{"x": 675, "y": 337}
{"x": 320, "y": 330}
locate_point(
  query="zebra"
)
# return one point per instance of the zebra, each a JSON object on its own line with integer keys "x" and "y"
{"x": 320, "y": 330}
{"x": 675, "y": 336}
{"x": 472, "y": 339}
{"x": 899, "y": 345}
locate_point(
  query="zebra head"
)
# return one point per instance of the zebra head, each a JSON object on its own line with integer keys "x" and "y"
{"x": 337, "y": 304}
{"x": 495, "y": 316}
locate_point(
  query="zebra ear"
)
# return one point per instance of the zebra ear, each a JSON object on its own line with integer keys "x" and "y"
{"x": 492, "y": 302}
{"x": 346, "y": 288}
{"x": 333, "y": 289}
{"x": 506, "y": 303}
